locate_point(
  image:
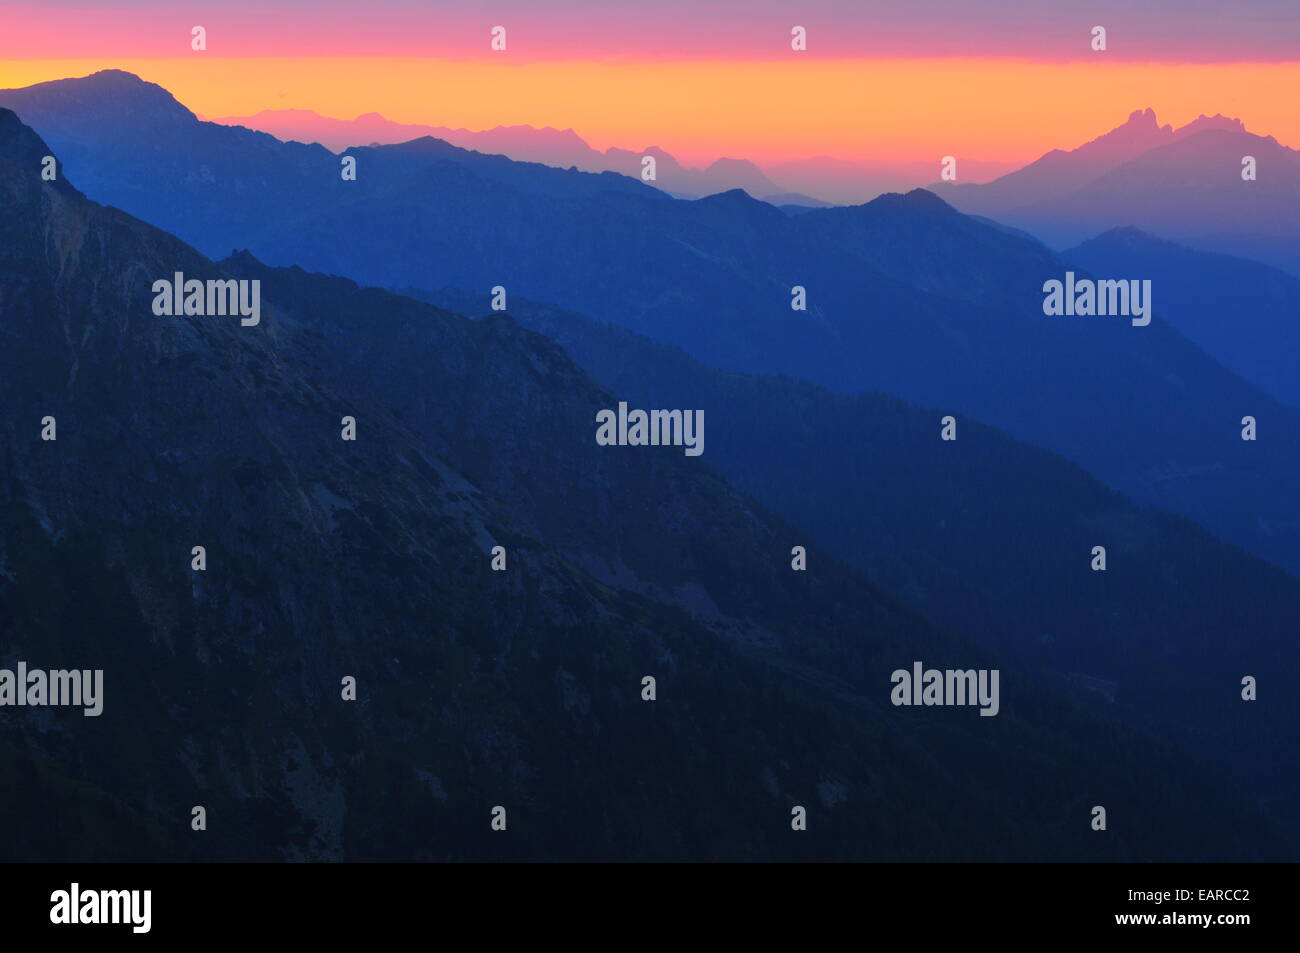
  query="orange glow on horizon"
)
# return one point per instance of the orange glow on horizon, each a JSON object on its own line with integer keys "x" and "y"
{"x": 895, "y": 110}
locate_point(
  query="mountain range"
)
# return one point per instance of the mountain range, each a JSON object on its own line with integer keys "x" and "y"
{"x": 523, "y": 686}
{"x": 905, "y": 296}
{"x": 831, "y": 180}
{"x": 476, "y": 688}
{"x": 1183, "y": 184}
{"x": 1240, "y": 311}
{"x": 989, "y": 536}
{"x": 562, "y": 148}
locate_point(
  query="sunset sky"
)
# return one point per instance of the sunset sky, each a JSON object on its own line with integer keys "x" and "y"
{"x": 996, "y": 81}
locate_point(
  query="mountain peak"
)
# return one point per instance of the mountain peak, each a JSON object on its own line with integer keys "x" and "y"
{"x": 1140, "y": 130}
{"x": 733, "y": 197}
{"x": 1126, "y": 236}
{"x": 243, "y": 257}
{"x": 917, "y": 200}
{"x": 725, "y": 164}
{"x": 22, "y": 153}
{"x": 98, "y": 97}
{"x": 1142, "y": 117}
{"x": 1130, "y": 233}
{"x": 119, "y": 77}
{"x": 19, "y": 140}
{"x": 1203, "y": 123}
